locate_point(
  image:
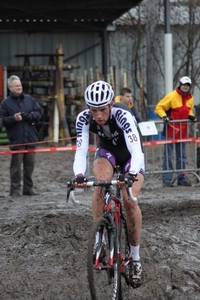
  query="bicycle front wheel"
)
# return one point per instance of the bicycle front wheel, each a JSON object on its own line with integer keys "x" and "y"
{"x": 103, "y": 268}
{"x": 124, "y": 254}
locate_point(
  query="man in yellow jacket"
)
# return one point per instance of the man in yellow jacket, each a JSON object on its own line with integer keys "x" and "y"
{"x": 126, "y": 98}
{"x": 177, "y": 105}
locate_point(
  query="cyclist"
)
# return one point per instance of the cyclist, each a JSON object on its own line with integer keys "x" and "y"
{"x": 119, "y": 144}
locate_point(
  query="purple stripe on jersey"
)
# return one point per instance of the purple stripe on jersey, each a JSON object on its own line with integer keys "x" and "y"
{"x": 126, "y": 168}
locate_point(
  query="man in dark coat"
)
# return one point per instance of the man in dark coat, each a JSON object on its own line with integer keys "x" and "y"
{"x": 20, "y": 114}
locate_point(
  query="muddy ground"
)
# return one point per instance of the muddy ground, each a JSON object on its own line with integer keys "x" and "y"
{"x": 43, "y": 240}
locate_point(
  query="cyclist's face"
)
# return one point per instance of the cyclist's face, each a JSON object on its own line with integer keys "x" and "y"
{"x": 101, "y": 114}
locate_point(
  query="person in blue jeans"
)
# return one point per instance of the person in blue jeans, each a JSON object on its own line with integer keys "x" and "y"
{"x": 177, "y": 105}
{"x": 180, "y": 150}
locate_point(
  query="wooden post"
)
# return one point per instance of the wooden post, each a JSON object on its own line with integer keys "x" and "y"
{"x": 5, "y": 76}
{"x": 56, "y": 123}
{"x": 91, "y": 80}
{"x": 142, "y": 102}
{"x": 125, "y": 80}
{"x": 60, "y": 93}
{"x": 112, "y": 78}
{"x": 121, "y": 78}
{"x": 85, "y": 82}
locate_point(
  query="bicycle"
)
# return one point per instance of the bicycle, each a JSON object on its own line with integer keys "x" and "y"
{"x": 108, "y": 244}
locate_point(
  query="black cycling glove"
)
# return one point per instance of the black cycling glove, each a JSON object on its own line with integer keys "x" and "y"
{"x": 130, "y": 177}
{"x": 80, "y": 179}
{"x": 121, "y": 177}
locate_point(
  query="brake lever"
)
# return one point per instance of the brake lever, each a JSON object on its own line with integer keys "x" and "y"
{"x": 129, "y": 184}
{"x": 70, "y": 188}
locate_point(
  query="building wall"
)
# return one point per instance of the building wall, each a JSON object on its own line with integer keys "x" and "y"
{"x": 123, "y": 43}
{"x": 72, "y": 43}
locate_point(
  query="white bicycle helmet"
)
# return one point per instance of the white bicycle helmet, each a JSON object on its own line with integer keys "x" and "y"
{"x": 185, "y": 79}
{"x": 99, "y": 93}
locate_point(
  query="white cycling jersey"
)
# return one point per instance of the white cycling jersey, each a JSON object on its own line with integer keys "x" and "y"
{"x": 119, "y": 132}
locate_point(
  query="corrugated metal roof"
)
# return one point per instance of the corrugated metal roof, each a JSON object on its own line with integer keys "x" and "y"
{"x": 76, "y": 15}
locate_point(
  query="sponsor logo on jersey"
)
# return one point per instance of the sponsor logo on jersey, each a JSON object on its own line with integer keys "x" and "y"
{"x": 82, "y": 120}
{"x": 108, "y": 154}
{"x": 121, "y": 118}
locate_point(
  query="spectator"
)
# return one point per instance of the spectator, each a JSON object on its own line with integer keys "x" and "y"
{"x": 126, "y": 98}
{"x": 1, "y": 118}
{"x": 177, "y": 105}
{"x": 20, "y": 114}
{"x": 119, "y": 143}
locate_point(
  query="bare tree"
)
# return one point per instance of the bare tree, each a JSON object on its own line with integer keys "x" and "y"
{"x": 138, "y": 44}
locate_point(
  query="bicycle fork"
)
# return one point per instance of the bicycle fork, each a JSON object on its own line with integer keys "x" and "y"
{"x": 124, "y": 258}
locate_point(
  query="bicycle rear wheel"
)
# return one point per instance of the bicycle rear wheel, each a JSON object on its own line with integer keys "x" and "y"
{"x": 124, "y": 252}
{"x": 103, "y": 279}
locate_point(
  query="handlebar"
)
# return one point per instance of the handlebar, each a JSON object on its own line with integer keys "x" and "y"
{"x": 71, "y": 187}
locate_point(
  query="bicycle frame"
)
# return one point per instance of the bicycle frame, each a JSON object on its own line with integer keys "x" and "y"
{"x": 113, "y": 224}
{"x": 114, "y": 220}
{"x": 108, "y": 243}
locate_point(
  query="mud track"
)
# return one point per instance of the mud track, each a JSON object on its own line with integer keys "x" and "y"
{"x": 43, "y": 240}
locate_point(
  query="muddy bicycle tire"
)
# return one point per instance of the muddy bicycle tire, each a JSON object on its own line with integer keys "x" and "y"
{"x": 124, "y": 250}
{"x": 103, "y": 284}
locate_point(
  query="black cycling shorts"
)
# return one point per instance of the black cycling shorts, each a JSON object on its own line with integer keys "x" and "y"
{"x": 121, "y": 157}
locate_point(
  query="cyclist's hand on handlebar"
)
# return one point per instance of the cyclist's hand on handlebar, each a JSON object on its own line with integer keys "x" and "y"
{"x": 121, "y": 177}
{"x": 80, "y": 181}
{"x": 131, "y": 178}
{"x": 121, "y": 180}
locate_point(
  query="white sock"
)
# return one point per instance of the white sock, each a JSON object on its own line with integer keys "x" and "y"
{"x": 135, "y": 252}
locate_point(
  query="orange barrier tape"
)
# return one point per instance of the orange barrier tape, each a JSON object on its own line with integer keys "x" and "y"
{"x": 73, "y": 148}
{"x": 162, "y": 142}
{"x": 41, "y": 142}
{"x": 52, "y": 149}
